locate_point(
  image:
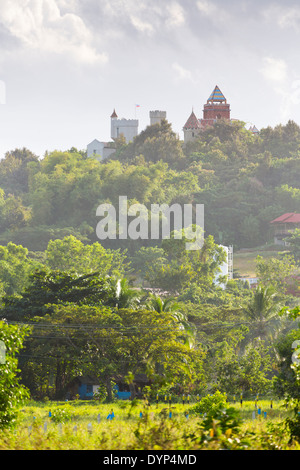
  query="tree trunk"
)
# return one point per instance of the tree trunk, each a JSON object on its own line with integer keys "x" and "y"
{"x": 60, "y": 379}
{"x": 109, "y": 389}
{"x": 132, "y": 390}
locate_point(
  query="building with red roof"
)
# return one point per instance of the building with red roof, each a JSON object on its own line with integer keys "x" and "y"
{"x": 215, "y": 108}
{"x": 283, "y": 225}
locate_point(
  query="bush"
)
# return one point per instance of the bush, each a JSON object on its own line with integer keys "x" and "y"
{"x": 12, "y": 394}
{"x": 222, "y": 420}
{"x": 209, "y": 403}
{"x": 61, "y": 415}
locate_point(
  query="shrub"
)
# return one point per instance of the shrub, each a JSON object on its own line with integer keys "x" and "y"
{"x": 61, "y": 415}
{"x": 209, "y": 403}
{"x": 12, "y": 393}
{"x": 222, "y": 420}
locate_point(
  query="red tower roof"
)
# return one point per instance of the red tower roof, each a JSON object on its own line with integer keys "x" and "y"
{"x": 114, "y": 114}
{"x": 192, "y": 122}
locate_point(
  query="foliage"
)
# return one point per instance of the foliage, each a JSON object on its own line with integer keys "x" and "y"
{"x": 12, "y": 393}
{"x": 263, "y": 309}
{"x": 70, "y": 254}
{"x": 275, "y": 273}
{"x": 222, "y": 420}
{"x": 61, "y": 415}
{"x": 86, "y": 298}
{"x": 48, "y": 287}
{"x": 294, "y": 240}
{"x": 210, "y": 403}
{"x": 16, "y": 267}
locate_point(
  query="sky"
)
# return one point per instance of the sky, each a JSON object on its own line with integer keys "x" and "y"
{"x": 65, "y": 65}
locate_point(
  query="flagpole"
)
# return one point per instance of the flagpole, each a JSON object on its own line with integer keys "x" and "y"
{"x": 136, "y": 106}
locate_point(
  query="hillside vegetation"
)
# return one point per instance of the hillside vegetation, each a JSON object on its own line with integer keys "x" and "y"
{"x": 116, "y": 309}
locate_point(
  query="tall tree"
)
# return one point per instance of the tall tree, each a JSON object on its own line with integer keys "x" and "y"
{"x": 262, "y": 312}
{"x": 47, "y": 288}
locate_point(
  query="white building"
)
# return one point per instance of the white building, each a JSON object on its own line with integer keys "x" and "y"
{"x": 227, "y": 266}
{"x": 100, "y": 150}
{"x": 126, "y": 127}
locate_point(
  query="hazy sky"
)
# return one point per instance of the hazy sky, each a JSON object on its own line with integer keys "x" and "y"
{"x": 66, "y": 64}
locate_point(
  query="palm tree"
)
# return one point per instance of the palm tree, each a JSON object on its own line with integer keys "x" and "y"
{"x": 169, "y": 305}
{"x": 262, "y": 311}
{"x": 123, "y": 296}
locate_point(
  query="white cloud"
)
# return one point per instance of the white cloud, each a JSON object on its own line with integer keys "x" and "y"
{"x": 141, "y": 25}
{"x": 274, "y": 70}
{"x": 176, "y": 15}
{"x": 214, "y": 13}
{"x": 182, "y": 73}
{"x": 285, "y": 17}
{"x": 39, "y": 24}
{"x": 206, "y": 7}
{"x": 290, "y": 99}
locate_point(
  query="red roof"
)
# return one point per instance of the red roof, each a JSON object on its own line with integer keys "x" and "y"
{"x": 114, "y": 114}
{"x": 288, "y": 218}
{"x": 192, "y": 122}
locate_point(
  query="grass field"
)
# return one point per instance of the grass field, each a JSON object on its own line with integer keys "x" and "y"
{"x": 81, "y": 425}
{"x": 244, "y": 261}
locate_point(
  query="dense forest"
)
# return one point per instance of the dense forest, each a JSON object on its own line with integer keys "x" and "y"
{"x": 116, "y": 308}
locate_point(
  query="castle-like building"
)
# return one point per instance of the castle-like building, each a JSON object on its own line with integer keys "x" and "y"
{"x": 128, "y": 128}
{"x": 215, "y": 108}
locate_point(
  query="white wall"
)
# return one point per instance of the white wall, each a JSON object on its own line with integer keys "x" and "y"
{"x": 95, "y": 148}
{"x": 127, "y": 127}
{"x": 99, "y": 149}
{"x": 226, "y": 268}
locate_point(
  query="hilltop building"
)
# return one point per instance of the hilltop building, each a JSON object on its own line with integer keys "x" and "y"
{"x": 215, "y": 108}
{"x": 101, "y": 149}
{"x": 128, "y": 128}
{"x": 157, "y": 116}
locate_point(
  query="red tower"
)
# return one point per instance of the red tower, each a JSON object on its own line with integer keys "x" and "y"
{"x": 215, "y": 108}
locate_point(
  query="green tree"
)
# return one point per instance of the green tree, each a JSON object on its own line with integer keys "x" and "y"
{"x": 274, "y": 272}
{"x": 123, "y": 295}
{"x": 14, "y": 171}
{"x": 263, "y": 312}
{"x": 294, "y": 241}
{"x": 12, "y": 393}
{"x": 242, "y": 373}
{"x": 184, "y": 267}
{"x": 47, "y": 288}
{"x": 13, "y": 214}
{"x": 169, "y": 305}
{"x": 70, "y": 254}
{"x": 157, "y": 142}
{"x": 15, "y": 268}
{"x": 115, "y": 343}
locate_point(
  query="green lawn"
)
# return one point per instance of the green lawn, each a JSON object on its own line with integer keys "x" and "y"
{"x": 244, "y": 261}
{"x": 76, "y": 426}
